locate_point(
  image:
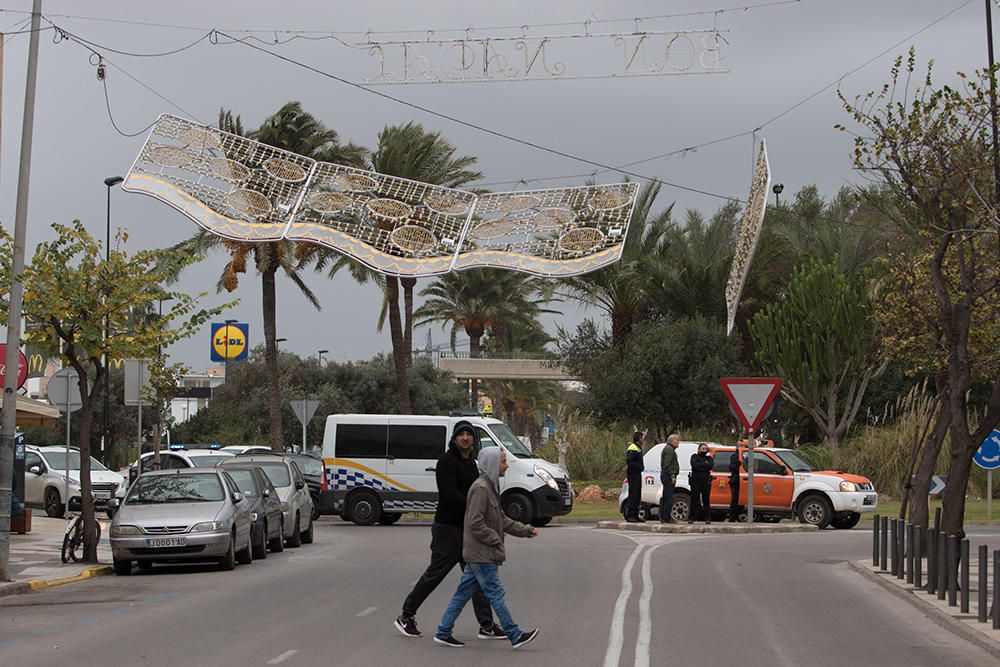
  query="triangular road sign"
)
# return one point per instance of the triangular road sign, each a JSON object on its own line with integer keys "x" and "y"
{"x": 304, "y": 409}
{"x": 750, "y": 398}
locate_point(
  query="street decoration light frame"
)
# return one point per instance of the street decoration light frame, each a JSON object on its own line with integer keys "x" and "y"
{"x": 749, "y": 234}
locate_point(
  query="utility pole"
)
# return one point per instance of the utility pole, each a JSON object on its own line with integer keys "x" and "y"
{"x": 993, "y": 102}
{"x": 9, "y": 424}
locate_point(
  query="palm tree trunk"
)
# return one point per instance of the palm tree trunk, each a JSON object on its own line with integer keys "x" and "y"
{"x": 474, "y": 354}
{"x": 399, "y": 354}
{"x": 271, "y": 355}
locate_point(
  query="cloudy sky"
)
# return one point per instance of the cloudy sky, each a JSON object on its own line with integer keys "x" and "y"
{"x": 778, "y": 56}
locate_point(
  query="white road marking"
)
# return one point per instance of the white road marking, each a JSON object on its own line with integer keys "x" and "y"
{"x": 645, "y": 621}
{"x": 277, "y": 660}
{"x": 615, "y": 639}
{"x": 367, "y": 611}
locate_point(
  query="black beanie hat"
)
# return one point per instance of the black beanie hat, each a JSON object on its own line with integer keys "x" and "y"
{"x": 463, "y": 426}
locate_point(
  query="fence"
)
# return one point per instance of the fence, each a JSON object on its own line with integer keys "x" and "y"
{"x": 952, "y": 572}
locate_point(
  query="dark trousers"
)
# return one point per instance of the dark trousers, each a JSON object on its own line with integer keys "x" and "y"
{"x": 701, "y": 492}
{"x": 667, "y": 499}
{"x": 634, "y": 496}
{"x": 446, "y": 553}
{"x": 734, "y": 498}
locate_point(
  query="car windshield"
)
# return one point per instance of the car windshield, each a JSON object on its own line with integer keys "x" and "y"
{"x": 310, "y": 466}
{"x": 795, "y": 461}
{"x": 57, "y": 461}
{"x": 244, "y": 479}
{"x": 277, "y": 473}
{"x": 208, "y": 461}
{"x": 180, "y": 488}
{"x": 505, "y": 436}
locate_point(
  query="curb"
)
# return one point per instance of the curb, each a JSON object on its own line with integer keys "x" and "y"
{"x": 720, "y": 529}
{"x": 40, "y": 584}
{"x": 943, "y": 619}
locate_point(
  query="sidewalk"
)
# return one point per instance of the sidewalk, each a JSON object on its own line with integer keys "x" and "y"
{"x": 719, "y": 527}
{"x": 35, "y": 561}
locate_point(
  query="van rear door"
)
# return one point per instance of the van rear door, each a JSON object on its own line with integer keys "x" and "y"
{"x": 414, "y": 449}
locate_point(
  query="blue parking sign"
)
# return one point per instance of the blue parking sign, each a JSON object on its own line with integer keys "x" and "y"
{"x": 988, "y": 456}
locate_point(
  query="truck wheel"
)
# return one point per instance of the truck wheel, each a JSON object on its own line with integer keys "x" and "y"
{"x": 541, "y": 521}
{"x": 389, "y": 518}
{"x": 54, "y": 506}
{"x": 518, "y": 507}
{"x": 846, "y": 520}
{"x": 364, "y": 508}
{"x": 681, "y": 508}
{"x": 815, "y": 510}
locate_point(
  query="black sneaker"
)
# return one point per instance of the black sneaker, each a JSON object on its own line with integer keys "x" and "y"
{"x": 448, "y": 641}
{"x": 407, "y": 626}
{"x": 525, "y": 638}
{"x": 492, "y": 632}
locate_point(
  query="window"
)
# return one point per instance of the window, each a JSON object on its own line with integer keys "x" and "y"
{"x": 208, "y": 461}
{"x": 32, "y": 459}
{"x": 152, "y": 489}
{"x": 231, "y": 483}
{"x": 764, "y": 464}
{"x": 361, "y": 441}
{"x": 277, "y": 473}
{"x": 721, "y": 462}
{"x": 417, "y": 442}
{"x": 57, "y": 461}
{"x": 485, "y": 439}
{"x": 510, "y": 441}
{"x": 245, "y": 480}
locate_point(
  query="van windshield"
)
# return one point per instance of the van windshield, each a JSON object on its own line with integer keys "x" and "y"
{"x": 506, "y": 437}
{"x": 795, "y": 461}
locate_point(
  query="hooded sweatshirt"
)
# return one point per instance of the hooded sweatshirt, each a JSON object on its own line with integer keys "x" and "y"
{"x": 485, "y": 522}
{"x": 455, "y": 474}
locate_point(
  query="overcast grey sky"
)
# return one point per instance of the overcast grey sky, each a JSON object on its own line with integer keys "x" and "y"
{"x": 777, "y": 57}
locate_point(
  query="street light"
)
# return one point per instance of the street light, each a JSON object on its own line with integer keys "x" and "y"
{"x": 778, "y": 187}
{"x": 279, "y": 340}
{"x": 110, "y": 182}
{"x": 228, "y": 323}
{"x": 319, "y": 357}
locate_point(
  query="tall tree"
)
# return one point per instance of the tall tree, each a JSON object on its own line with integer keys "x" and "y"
{"x": 931, "y": 152}
{"x": 69, "y": 291}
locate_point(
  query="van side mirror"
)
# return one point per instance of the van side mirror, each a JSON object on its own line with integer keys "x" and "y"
{"x": 37, "y": 470}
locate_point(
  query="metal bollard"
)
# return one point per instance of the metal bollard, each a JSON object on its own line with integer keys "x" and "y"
{"x": 894, "y": 546}
{"x": 909, "y": 552}
{"x": 984, "y": 581}
{"x": 884, "y": 543}
{"x": 942, "y": 566}
{"x": 932, "y": 562}
{"x": 901, "y": 550}
{"x": 965, "y": 577}
{"x": 937, "y": 520}
{"x": 875, "y": 525}
{"x": 996, "y": 589}
{"x": 918, "y": 557}
{"x": 951, "y": 552}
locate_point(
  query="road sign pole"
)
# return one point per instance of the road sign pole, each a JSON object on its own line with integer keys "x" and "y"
{"x": 751, "y": 465}
{"x": 66, "y": 481}
{"x": 989, "y": 495}
{"x": 304, "y": 428}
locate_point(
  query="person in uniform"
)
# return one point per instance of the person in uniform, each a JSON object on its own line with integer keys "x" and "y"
{"x": 701, "y": 483}
{"x": 634, "y": 468}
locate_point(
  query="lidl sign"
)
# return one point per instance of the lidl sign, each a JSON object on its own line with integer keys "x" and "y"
{"x": 229, "y": 341}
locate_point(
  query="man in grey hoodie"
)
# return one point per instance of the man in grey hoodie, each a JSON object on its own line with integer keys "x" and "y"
{"x": 483, "y": 551}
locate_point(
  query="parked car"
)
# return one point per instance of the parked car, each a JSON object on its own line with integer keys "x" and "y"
{"x": 173, "y": 515}
{"x": 45, "y": 480}
{"x": 266, "y": 530}
{"x": 312, "y": 471}
{"x": 246, "y": 449}
{"x": 178, "y": 459}
{"x": 296, "y": 503}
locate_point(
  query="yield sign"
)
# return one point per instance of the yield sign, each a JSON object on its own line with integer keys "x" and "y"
{"x": 750, "y": 398}
{"x": 304, "y": 409}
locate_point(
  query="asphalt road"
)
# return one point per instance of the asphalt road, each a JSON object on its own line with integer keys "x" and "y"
{"x": 601, "y": 598}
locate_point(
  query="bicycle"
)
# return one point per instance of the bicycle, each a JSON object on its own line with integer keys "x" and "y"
{"x": 72, "y": 545}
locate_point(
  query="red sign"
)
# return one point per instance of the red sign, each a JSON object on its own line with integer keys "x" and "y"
{"x": 22, "y": 365}
{"x": 751, "y": 398}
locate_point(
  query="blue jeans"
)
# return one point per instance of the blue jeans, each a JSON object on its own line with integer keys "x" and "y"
{"x": 488, "y": 577}
{"x": 667, "y": 499}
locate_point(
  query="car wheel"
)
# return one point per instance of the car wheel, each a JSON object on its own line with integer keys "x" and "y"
{"x": 245, "y": 556}
{"x": 518, "y": 507}
{"x": 308, "y": 535}
{"x": 541, "y": 521}
{"x": 228, "y": 562}
{"x": 389, "y": 518}
{"x": 846, "y": 521}
{"x": 260, "y": 547}
{"x": 123, "y": 568}
{"x": 815, "y": 510}
{"x": 364, "y": 508}
{"x": 53, "y": 504}
{"x": 295, "y": 540}
{"x": 277, "y": 544}
{"x": 145, "y": 565}
{"x": 315, "y": 509}
{"x": 681, "y": 507}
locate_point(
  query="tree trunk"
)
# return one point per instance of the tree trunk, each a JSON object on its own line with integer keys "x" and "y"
{"x": 919, "y": 511}
{"x": 271, "y": 355}
{"x": 474, "y": 354}
{"x": 84, "y": 417}
{"x": 399, "y": 354}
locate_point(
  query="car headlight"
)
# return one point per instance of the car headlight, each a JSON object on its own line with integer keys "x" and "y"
{"x": 848, "y": 487}
{"x": 253, "y": 516}
{"x": 285, "y": 507}
{"x": 544, "y": 475}
{"x": 122, "y": 531}
{"x": 208, "y": 527}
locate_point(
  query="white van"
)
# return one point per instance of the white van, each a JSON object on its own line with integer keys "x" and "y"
{"x": 379, "y": 466}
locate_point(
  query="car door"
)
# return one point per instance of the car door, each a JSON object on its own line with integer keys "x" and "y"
{"x": 303, "y": 501}
{"x": 772, "y": 485}
{"x": 272, "y": 503}
{"x": 241, "y": 513}
{"x": 720, "y": 496}
{"x": 34, "y": 484}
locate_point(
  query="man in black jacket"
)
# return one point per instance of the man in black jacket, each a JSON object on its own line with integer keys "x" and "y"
{"x": 455, "y": 471}
{"x": 633, "y": 473}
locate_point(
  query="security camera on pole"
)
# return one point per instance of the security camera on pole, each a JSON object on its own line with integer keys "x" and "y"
{"x": 751, "y": 400}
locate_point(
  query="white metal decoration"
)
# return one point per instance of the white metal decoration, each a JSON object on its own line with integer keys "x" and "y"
{"x": 749, "y": 233}
{"x": 245, "y": 191}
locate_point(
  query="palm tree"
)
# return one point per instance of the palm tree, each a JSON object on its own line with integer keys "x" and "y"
{"x": 294, "y": 130}
{"x": 475, "y": 300}
{"x": 408, "y": 151}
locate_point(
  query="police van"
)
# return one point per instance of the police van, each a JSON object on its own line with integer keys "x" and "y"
{"x": 378, "y": 466}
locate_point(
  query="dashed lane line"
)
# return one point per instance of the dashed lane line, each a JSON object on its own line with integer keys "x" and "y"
{"x": 278, "y": 659}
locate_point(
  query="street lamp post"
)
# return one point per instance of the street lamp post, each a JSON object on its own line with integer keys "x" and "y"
{"x": 319, "y": 357}
{"x": 228, "y": 323}
{"x": 110, "y": 182}
{"x": 778, "y": 187}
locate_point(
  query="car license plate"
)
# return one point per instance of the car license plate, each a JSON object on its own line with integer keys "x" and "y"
{"x": 869, "y": 500}
{"x": 104, "y": 495}
{"x": 156, "y": 542}
{"x": 567, "y": 502}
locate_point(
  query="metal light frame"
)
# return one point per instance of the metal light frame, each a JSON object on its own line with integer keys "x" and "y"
{"x": 749, "y": 234}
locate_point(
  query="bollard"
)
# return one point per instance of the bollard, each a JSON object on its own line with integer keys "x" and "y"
{"x": 996, "y": 590}
{"x": 884, "y": 543}
{"x": 932, "y": 562}
{"x": 909, "y": 552}
{"x": 918, "y": 557}
{"x": 875, "y": 525}
{"x": 951, "y": 553}
{"x": 984, "y": 581}
{"x": 937, "y": 520}
{"x": 901, "y": 550}
{"x": 942, "y": 566}
{"x": 893, "y": 546}
{"x": 965, "y": 577}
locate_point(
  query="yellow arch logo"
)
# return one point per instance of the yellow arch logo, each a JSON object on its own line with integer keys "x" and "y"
{"x": 229, "y": 341}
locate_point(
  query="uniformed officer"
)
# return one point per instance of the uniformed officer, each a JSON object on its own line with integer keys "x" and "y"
{"x": 634, "y": 468}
